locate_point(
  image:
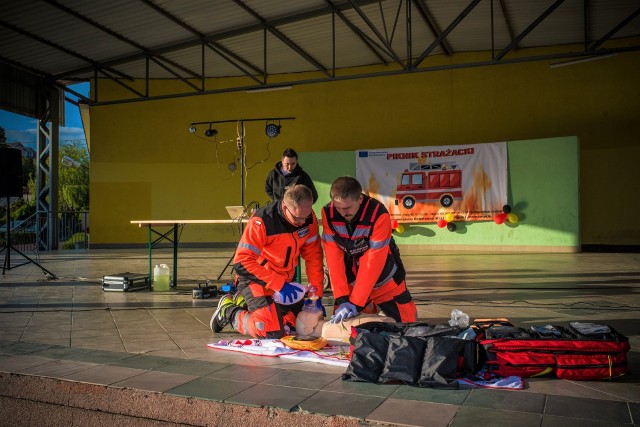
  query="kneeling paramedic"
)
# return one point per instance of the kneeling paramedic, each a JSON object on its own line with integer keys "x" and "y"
{"x": 267, "y": 301}
{"x": 362, "y": 257}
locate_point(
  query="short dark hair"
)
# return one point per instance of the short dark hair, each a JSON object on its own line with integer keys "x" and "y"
{"x": 297, "y": 194}
{"x": 345, "y": 187}
{"x": 290, "y": 152}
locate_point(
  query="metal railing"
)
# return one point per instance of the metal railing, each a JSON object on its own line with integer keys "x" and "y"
{"x": 72, "y": 231}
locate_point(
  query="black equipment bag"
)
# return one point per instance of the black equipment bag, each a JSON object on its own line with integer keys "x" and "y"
{"x": 416, "y": 354}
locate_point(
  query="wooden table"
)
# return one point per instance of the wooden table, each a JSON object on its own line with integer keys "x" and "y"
{"x": 173, "y": 235}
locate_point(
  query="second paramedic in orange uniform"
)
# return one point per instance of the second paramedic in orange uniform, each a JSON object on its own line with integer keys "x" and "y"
{"x": 265, "y": 262}
{"x": 362, "y": 257}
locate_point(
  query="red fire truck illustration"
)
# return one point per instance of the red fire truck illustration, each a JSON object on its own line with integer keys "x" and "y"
{"x": 427, "y": 183}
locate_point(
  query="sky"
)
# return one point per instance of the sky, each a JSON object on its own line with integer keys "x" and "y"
{"x": 23, "y": 129}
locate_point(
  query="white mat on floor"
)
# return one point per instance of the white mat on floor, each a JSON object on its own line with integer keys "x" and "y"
{"x": 330, "y": 355}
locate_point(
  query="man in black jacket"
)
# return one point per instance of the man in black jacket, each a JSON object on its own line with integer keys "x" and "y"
{"x": 287, "y": 173}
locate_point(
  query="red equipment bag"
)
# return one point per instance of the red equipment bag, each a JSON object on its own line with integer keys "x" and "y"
{"x": 579, "y": 351}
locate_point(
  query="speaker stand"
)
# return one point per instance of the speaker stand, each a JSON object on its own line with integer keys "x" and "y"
{"x": 9, "y": 247}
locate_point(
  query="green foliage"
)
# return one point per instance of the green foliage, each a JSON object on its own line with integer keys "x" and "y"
{"x": 74, "y": 182}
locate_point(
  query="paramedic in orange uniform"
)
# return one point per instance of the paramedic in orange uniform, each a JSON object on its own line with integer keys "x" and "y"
{"x": 362, "y": 257}
{"x": 265, "y": 264}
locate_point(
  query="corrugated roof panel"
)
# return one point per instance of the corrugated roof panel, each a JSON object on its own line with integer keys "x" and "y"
{"x": 134, "y": 20}
{"x": 34, "y": 54}
{"x": 46, "y": 22}
{"x": 474, "y": 32}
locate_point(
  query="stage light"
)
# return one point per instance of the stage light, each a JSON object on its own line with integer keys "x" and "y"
{"x": 272, "y": 130}
{"x": 210, "y": 132}
{"x": 192, "y": 129}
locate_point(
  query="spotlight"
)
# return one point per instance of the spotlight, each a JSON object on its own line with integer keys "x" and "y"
{"x": 210, "y": 132}
{"x": 192, "y": 129}
{"x": 272, "y": 130}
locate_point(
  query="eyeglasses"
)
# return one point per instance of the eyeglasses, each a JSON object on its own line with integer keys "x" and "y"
{"x": 293, "y": 217}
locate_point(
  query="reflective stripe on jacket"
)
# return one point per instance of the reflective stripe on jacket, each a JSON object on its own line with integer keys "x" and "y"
{"x": 362, "y": 251}
{"x": 268, "y": 251}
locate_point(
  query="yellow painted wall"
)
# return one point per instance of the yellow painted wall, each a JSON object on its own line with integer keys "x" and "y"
{"x": 145, "y": 165}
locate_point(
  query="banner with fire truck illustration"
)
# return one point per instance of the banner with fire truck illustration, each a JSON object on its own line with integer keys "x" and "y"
{"x": 423, "y": 184}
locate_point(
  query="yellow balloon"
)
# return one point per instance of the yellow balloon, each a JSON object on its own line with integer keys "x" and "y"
{"x": 512, "y": 218}
{"x": 400, "y": 228}
{"x": 449, "y": 217}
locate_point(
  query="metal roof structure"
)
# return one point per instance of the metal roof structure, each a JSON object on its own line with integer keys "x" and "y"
{"x": 67, "y": 41}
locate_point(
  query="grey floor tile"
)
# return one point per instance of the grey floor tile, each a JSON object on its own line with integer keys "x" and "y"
{"x": 155, "y": 381}
{"x": 272, "y": 395}
{"x": 634, "y": 409}
{"x": 210, "y": 388}
{"x": 245, "y": 373}
{"x": 192, "y": 367}
{"x": 503, "y": 399}
{"x": 144, "y": 362}
{"x": 366, "y": 389}
{"x": 62, "y": 352}
{"x": 24, "y": 348}
{"x": 101, "y": 356}
{"x": 452, "y": 397}
{"x": 58, "y": 368}
{"x": 555, "y": 421}
{"x": 17, "y": 363}
{"x": 332, "y": 403}
{"x": 468, "y": 416}
{"x": 593, "y": 409}
{"x": 413, "y": 413}
{"x": 104, "y": 374}
{"x": 302, "y": 379}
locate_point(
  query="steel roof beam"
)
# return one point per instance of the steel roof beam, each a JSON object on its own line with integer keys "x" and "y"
{"x": 614, "y": 30}
{"x": 371, "y": 44}
{"x": 173, "y": 73}
{"x": 380, "y": 37}
{"x": 446, "y": 32}
{"x": 212, "y": 38}
{"x": 112, "y": 33}
{"x": 507, "y": 22}
{"x": 530, "y": 28}
{"x": 433, "y": 26}
{"x": 124, "y": 85}
{"x": 283, "y": 38}
{"x": 203, "y": 39}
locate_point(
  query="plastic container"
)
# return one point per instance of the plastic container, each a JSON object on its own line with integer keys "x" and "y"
{"x": 161, "y": 278}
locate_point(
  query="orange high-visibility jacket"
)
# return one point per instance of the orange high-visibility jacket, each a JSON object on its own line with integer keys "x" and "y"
{"x": 362, "y": 253}
{"x": 268, "y": 251}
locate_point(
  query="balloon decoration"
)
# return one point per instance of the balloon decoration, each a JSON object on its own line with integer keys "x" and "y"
{"x": 449, "y": 217}
{"x": 506, "y": 215}
{"x": 442, "y": 223}
{"x": 500, "y": 218}
{"x": 400, "y": 229}
{"x": 451, "y": 226}
{"x": 394, "y": 224}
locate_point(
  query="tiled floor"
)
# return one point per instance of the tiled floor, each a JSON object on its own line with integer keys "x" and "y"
{"x": 69, "y": 329}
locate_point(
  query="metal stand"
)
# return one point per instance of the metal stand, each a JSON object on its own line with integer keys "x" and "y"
{"x": 8, "y": 247}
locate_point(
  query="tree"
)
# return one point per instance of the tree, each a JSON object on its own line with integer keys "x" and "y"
{"x": 73, "y": 182}
{"x": 3, "y": 136}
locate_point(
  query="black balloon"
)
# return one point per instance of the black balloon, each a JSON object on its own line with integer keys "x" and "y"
{"x": 506, "y": 209}
{"x": 451, "y": 226}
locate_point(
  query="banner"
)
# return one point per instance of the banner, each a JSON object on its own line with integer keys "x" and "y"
{"x": 425, "y": 184}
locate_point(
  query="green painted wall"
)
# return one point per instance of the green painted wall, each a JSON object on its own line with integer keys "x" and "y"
{"x": 545, "y": 198}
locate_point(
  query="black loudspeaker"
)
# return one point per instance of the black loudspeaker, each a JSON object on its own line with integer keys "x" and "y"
{"x": 10, "y": 172}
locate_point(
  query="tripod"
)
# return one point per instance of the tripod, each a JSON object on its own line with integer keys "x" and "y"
{"x": 9, "y": 247}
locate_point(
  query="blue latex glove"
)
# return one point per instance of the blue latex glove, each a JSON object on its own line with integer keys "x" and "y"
{"x": 345, "y": 311}
{"x": 317, "y": 304}
{"x": 290, "y": 293}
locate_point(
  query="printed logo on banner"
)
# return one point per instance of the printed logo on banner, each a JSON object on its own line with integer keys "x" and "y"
{"x": 423, "y": 184}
